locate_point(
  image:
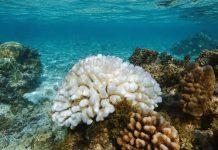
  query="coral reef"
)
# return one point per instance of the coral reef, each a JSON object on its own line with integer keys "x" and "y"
{"x": 208, "y": 57}
{"x": 193, "y": 45}
{"x": 20, "y": 68}
{"x": 96, "y": 84}
{"x": 196, "y": 89}
{"x": 189, "y": 101}
{"x": 162, "y": 67}
{"x": 143, "y": 56}
{"x": 148, "y": 130}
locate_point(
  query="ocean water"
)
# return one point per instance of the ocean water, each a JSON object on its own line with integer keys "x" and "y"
{"x": 65, "y": 31}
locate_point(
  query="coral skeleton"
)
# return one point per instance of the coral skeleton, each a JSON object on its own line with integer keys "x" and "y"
{"x": 96, "y": 84}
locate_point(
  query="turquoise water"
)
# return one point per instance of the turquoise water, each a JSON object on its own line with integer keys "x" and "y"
{"x": 66, "y": 31}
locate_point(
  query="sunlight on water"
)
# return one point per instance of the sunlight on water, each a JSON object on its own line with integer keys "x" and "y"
{"x": 109, "y": 10}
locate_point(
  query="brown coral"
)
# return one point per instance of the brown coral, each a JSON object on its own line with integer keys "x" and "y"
{"x": 196, "y": 89}
{"x": 166, "y": 74}
{"x": 208, "y": 57}
{"x": 143, "y": 56}
{"x": 162, "y": 66}
{"x": 148, "y": 130}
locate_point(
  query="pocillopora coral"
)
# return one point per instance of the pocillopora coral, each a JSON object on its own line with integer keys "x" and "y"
{"x": 96, "y": 84}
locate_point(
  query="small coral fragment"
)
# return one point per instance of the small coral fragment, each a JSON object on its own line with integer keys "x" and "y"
{"x": 148, "y": 130}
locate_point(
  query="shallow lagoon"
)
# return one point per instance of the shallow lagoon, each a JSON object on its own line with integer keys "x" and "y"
{"x": 67, "y": 31}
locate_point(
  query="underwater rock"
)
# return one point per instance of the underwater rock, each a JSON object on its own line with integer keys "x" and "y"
{"x": 194, "y": 44}
{"x": 96, "y": 84}
{"x": 196, "y": 89}
{"x": 20, "y": 68}
{"x": 148, "y": 130}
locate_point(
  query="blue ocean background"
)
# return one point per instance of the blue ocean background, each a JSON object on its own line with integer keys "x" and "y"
{"x": 68, "y": 30}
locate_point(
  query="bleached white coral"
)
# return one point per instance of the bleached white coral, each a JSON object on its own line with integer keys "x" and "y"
{"x": 96, "y": 84}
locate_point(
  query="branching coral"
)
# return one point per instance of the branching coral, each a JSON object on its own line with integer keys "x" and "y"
{"x": 148, "y": 130}
{"x": 94, "y": 85}
{"x": 196, "y": 89}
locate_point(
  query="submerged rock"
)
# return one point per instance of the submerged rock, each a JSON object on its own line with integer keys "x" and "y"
{"x": 20, "y": 68}
{"x": 194, "y": 44}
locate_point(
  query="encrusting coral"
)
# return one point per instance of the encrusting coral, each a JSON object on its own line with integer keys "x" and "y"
{"x": 148, "y": 130}
{"x": 196, "y": 89}
{"x": 96, "y": 84}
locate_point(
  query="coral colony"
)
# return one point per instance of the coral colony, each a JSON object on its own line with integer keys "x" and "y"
{"x": 148, "y": 130}
{"x": 196, "y": 89}
{"x": 96, "y": 84}
{"x": 110, "y": 104}
{"x": 20, "y": 68}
